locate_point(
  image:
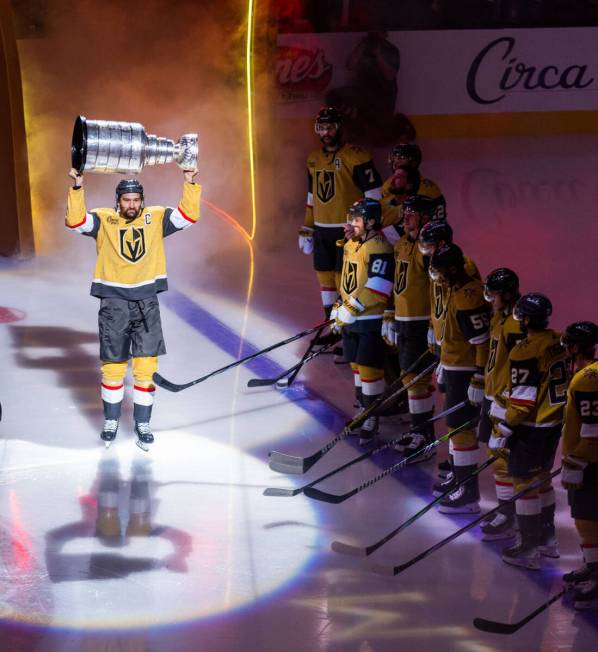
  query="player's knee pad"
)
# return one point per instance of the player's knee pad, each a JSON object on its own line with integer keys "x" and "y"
{"x": 114, "y": 372}
{"x": 144, "y": 369}
{"x": 328, "y": 291}
{"x": 372, "y": 380}
{"x": 588, "y": 531}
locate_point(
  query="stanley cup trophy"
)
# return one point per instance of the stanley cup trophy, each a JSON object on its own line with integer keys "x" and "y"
{"x": 110, "y": 146}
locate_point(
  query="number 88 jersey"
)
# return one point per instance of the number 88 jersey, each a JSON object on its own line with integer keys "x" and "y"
{"x": 538, "y": 381}
{"x": 580, "y": 432}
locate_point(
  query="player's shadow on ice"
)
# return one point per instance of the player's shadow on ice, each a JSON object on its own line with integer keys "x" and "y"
{"x": 72, "y": 356}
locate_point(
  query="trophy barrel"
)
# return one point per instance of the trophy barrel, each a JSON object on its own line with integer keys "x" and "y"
{"x": 111, "y": 146}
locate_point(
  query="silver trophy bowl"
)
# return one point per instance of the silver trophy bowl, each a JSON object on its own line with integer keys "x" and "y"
{"x": 110, "y": 146}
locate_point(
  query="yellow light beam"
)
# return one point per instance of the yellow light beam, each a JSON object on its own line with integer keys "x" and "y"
{"x": 250, "y": 121}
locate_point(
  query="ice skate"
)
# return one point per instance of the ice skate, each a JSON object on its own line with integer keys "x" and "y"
{"x": 108, "y": 433}
{"x": 144, "y": 436}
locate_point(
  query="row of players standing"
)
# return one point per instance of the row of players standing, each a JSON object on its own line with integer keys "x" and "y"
{"x": 387, "y": 250}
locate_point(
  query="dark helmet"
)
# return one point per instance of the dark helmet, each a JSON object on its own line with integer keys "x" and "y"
{"x": 502, "y": 280}
{"x": 534, "y": 307}
{"x": 420, "y": 204}
{"x": 448, "y": 256}
{"x": 433, "y": 233}
{"x": 128, "y": 185}
{"x": 329, "y": 115}
{"x": 410, "y": 151}
{"x": 368, "y": 209}
{"x": 584, "y": 334}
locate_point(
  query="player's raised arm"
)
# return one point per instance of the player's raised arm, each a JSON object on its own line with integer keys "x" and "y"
{"x": 77, "y": 217}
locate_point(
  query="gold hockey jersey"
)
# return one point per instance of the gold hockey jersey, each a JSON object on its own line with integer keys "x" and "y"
{"x": 368, "y": 270}
{"x": 438, "y": 295}
{"x": 130, "y": 254}
{"x": 538, "y": 381}
{"x": 412, "y": 283}
{"x": 392, "y": 212}
{"x": 505, "y": 332}
{"x": 335, "y": 180}
{"x": 465, "y": 328}
{"x": 580, "y": 432}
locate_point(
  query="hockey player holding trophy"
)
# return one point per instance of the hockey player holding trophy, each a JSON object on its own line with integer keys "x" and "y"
{"x": 131, "y": 266}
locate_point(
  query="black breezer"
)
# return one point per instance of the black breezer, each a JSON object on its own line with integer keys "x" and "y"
{"x": 532, "y": 450}
{"x": 130, "y": 328}
{"x": 485, "y": 425}
{"x": 327, "y": 256}
{"x": 363, "y": 343}
{"x": 583, "y": 501}
{"x": 412, "y": 343}
{"x": 456, "y": 384}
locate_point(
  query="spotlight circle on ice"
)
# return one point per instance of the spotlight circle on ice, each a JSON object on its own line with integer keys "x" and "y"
{"x": 111, "y": 146}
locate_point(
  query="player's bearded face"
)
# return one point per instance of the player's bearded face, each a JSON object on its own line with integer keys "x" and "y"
{"x": 358, "y": 227}
{"x": 328, "y": 133}
{"x": 129, "y": 205}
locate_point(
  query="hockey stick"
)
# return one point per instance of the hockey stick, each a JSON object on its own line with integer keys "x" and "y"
{"x": 294, "y": 370}
{"x": 395, "y": 570}
{"x": 510, "y": 628}
{"x": 357, "y": 551}
{"x": 276, "y": 491}
{"x": 173, "y": 387}
{"x": 316, "y": 494}
{"x": 291, "y": 378}
{"x": 284, "y": 463}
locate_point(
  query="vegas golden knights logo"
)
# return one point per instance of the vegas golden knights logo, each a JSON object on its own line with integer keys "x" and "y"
{"x": 401, "y": 277}
{"x": 132, "y": 244}
{"x": 349, "y": 277}
{"x": 492, "y": 354}
{"x": 438, "y": 307}
{"x": 325, "y": 187}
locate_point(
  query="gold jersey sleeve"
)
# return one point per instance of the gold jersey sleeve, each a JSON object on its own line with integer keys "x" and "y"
{"x": 505, "y": 332}
{"x": 367, "y": 275}
{"x": 412, "y": 283}
{"x": 538, "y": 380}
{"x": 465, "y": 328}
{"x": 130, "y": 260}
{"x": 438, "y": 295}
{"x": 335, "y": 181}
{"x": 580, "y": 430}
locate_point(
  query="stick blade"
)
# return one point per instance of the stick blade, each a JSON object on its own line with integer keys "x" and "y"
{"x": 260, "y": 382}
{"x": 166, "y": 384}
{"x": 289, "y": 469}
{"x": 346, "y": 549}
{"x": 276, "y": 491}
{"x": 325, "y": 497}
{"x": 493, "y": 627}
{"x": 383, "y": 569}
{"x": 283, "y": 458}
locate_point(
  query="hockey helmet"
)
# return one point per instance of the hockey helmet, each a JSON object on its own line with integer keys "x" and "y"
{"x": 584, "y": 334}
{"x": 128, "y": 185}
{"x": 409, "y": 151}
{"x": 533, "y": 309}
{"x": 502, "y": 280}
{"x": 433, "y": 233}
{"x": 368, "y": 209}
{"x": 328, "y": 115}
{"x": 420, "y": 204}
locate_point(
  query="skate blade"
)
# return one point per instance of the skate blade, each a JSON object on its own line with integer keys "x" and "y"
{"x": 466, "y": 509}
{"x": 107, "y": 444}
{"x": 144, "y": 447}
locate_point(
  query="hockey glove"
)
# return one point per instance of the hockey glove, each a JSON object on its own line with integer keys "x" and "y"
{"x": 440, "y": 378}
{"x": 306, "y": 240}
{"x": 475, "y": 391}
{"x": 347, "y": 313}
{"x": 498, "y": 442}
{"x": 572, "y": 473}
{"x": 389, "y": 328}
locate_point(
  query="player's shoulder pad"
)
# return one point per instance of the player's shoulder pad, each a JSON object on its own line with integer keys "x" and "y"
{"x": 380, "y": 245}
{"x": 429, "y": 188}
{"x": 589, "y": 376}
{"x": 312, "y": 158}
{"x": 470, "y": 296}
{"x": 523, "y": 350}
{"x": 356, "y": 154}
{"x": 105, "y": 213}
{"x": 471, "y": 268}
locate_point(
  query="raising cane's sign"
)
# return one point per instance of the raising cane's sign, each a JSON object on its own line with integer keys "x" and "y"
{"x": 442, "y": 72}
